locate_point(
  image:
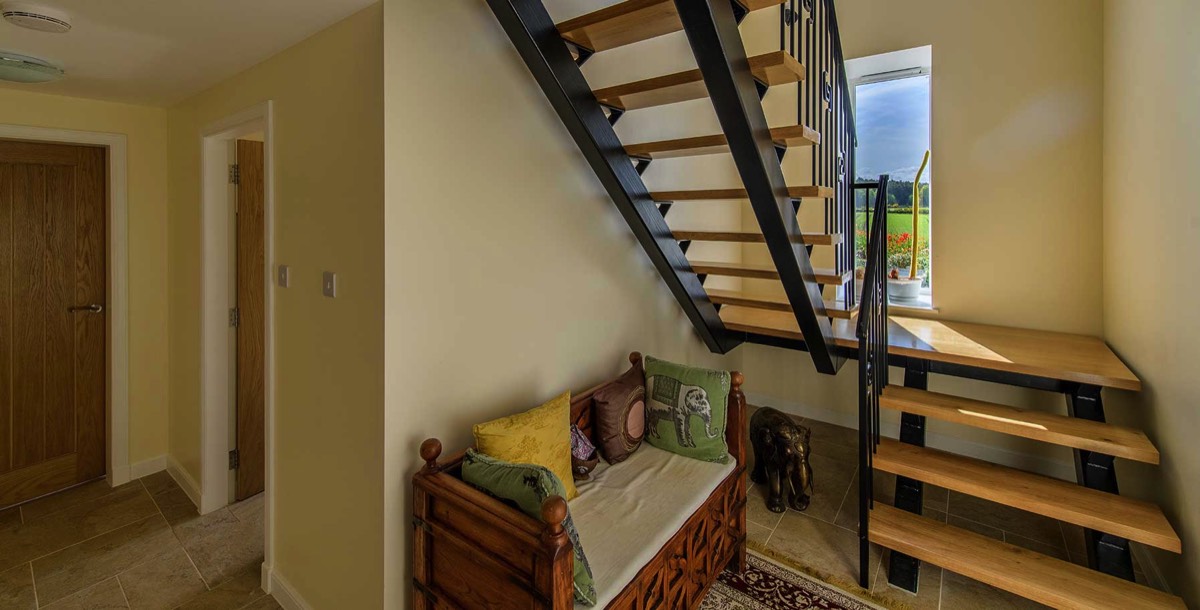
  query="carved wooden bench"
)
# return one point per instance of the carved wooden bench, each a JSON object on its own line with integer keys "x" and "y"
{"x": 474, "y": 551}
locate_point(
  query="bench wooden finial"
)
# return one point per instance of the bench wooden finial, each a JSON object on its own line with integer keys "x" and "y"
{"x": 635, "y": 357}
{"x": 737, "y": 379}
{"x": 431, "y": 448}
{"x": 554, "y": 512}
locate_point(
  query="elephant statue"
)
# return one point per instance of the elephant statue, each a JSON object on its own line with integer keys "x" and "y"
{"x": 781, "y": 450}
{"x": 694, "y": 402}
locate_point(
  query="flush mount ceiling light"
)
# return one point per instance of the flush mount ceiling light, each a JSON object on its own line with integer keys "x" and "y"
{"x": 34, "y": 17}
{"x": 25, "y": 69}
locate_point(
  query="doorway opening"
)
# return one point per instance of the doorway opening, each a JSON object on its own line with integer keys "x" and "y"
{"x": 237, "y": 329}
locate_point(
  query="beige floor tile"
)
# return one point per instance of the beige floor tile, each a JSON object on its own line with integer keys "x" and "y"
{"x": 831, "y": 480}
{"x": 106, "y": 595}
{"x": 16, "y": 588}
{"x": 159, "y": 482}
{"x": 929, "y": 587}
{"x": 166, "y": 582}
{"x": 831, "y": 433}
{"x": 961, "y": 592}
{"x": 756, "y": 508}
{"x": 754, "y": 533}
{"x": 1057, "y": 552}
{"x": 250, "y": 509}
{"x": 65, "y": 499}
{"x": 264, "y": 603}
{"x": 1007, "y": 518}
{"x": 827, "y": 551}
{"x": 175, "y": 505}
{"x": 974, "y": 526}
{"x": 69, "y": 526}
{"x": 10, "y": 518}
{"x": 221, "y": 546}
{"x": 91, "y": 561}
{"x": 234, "y": 593}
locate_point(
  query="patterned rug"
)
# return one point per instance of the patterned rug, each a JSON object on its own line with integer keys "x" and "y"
{"x": 768, "y": 586}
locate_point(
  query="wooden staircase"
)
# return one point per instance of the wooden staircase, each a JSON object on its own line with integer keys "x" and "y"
{"x": 817, "y": 309}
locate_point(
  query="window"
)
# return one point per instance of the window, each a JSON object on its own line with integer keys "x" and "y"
{"x": 892, "y": 115}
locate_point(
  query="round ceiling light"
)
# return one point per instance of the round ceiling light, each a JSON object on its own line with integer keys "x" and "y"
{"x": 36, "y": 17}
{"x": 24, "y": 69}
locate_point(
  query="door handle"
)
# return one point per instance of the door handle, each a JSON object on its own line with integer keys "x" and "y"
{"x": 94, "y": 308}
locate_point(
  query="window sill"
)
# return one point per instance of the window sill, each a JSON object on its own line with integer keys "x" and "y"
{"x": 923, "y": 304}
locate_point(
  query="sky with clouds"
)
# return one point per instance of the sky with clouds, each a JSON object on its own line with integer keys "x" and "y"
{"x": 892, "y": 118}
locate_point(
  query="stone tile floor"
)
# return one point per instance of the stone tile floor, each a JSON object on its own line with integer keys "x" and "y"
{"x": 824, "y": 540}
{"x": 140, "y": 545}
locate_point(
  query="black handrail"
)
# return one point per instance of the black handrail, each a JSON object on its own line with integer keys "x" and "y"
{"x": 872, "y": 332}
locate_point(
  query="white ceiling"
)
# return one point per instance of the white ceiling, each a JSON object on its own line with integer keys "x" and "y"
{"x": 158, "y": 52}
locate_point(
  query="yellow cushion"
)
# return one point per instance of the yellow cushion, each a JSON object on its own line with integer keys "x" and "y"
{"x": 539, "y": 436}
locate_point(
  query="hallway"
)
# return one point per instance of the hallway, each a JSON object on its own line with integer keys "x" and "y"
{"x": 140, "y": 545}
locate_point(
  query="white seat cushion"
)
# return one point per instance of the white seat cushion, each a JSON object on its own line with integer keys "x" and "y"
{"x": 627, "y": 512}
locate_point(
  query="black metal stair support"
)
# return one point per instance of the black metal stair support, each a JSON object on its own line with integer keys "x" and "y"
{"x": 905, "y": 571}
{"x": 1107, "y": 553}
{"x": 712, "y": 31}
{"x": 536, "y": 39}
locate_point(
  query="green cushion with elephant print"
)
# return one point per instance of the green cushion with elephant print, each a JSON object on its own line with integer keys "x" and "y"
{"x": 686, "y": 409}
{"x": 527, "y": 486}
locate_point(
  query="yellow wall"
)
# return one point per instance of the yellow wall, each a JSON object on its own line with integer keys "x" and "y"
{"x": 1151, "y": 239}
{"x": 328, "y": 104}
{"x": 1016, "y": 140}
{"x": 510, "y": 274}
{"x": 146, "y": 132}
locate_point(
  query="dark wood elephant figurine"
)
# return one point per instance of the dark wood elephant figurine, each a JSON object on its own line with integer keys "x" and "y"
{"x": 781, "y": 450}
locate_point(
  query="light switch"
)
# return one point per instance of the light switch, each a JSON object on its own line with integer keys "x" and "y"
{"x": 284, "y": 276}
{"x": 329, "y": 284}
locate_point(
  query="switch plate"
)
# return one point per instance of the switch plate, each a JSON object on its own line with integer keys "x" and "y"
{"x": 329, "y": 284}
{"x": 284, "y": 276}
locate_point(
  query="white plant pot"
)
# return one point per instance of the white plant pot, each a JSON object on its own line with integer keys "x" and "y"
{"x": 904, "y": 289}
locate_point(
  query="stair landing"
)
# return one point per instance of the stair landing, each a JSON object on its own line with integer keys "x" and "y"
{"x": 1051, "y": 355}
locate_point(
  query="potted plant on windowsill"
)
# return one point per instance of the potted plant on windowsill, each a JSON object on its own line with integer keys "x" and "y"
{"x": 907, "y": 288}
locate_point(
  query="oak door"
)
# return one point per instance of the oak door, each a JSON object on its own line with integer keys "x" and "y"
{"x": 53, "y": 317}
{"x": 251, "y": 282}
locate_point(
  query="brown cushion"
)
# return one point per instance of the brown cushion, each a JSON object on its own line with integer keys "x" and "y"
{"x": 620, "y": 415}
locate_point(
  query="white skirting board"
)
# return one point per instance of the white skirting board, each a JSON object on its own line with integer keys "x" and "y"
{"x": 996, "y": 455}
{"x": 185, "y": 480}
{"x": 147, "y": 467}
{"x": 283, "y": 591}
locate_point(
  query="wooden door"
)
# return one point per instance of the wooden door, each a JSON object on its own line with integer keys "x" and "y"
{"x": 53, "y": 317}
{"x": 251, "y": 281}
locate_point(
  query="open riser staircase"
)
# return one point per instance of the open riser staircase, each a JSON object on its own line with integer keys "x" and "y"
{"x": 818, "y": 310}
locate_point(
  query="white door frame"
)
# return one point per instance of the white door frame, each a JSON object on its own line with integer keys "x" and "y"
{"x": 117, "y": 433}
{"x": 216, "y": 299}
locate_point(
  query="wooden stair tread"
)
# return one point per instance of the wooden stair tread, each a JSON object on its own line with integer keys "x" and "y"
{"x": 1049, "y": 355}
{"x": 792, "y": 135}
{"x": 1071, "y": 432}
{"x": 1119, "y": 515}
{"x": 795, "y": 192}
{"x": 632, "y": 21}
{"x": 1043, "y": 579}
{"x": 835, "y": 309}
{"x": 750, "y": 237}
{"x": 765, "y": 272}
{"x": 1052, "y": 355}
{"x": 774, "y": 68}
{"x": 769, "y": 322}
